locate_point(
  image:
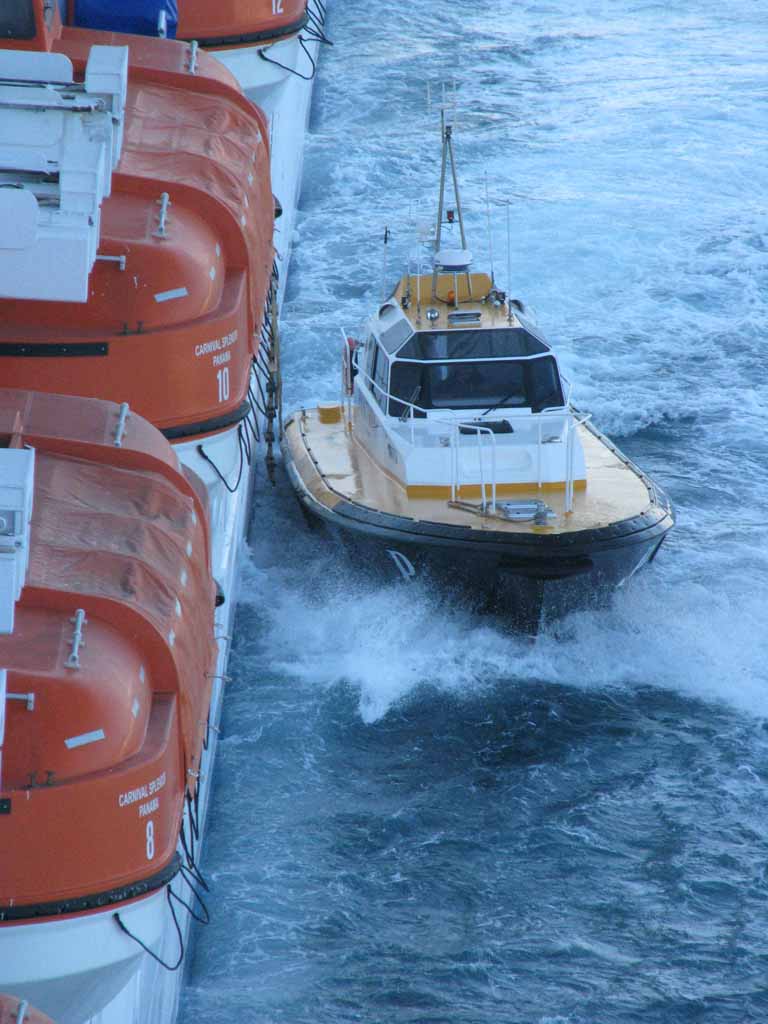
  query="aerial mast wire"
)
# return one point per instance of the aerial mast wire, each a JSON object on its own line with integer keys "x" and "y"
{"x": 384, "y": 267}
{"x": 441, "y": 199}
{"x": 509, "y": 267}
{"x": 446, "y": 133}
{"x": 490, "y": 235}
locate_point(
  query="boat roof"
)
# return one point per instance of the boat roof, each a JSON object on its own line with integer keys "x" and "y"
{"x": 413, "y": 312}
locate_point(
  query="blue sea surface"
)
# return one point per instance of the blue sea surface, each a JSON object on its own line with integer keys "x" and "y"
{"x": 417, "y": 817}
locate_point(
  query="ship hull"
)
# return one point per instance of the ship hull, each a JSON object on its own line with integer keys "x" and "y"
{"x": 88, "y": 959}
{"x": 521, "y": 578}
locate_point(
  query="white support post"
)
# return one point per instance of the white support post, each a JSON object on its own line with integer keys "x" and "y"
{"x": 3, "y": 694}
{"x": 17, "y": 469}
{"x": 569, "y": 468}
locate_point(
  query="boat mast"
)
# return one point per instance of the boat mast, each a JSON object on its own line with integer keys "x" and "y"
{"x": 446, "y": 134}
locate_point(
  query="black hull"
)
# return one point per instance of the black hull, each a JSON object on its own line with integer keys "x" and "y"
{"x": 521, "y": 577}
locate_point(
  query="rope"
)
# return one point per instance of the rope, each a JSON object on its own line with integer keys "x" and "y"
{"x": 316, "y": 32}
{"x": 193, "y": 814}
{"x": 206, "y": 919}
{"x": 189, "y": 850}
{"x": 218, "y": 472}
{"x": 293, "y": 71}
{"x": 126, "y": 930}
{"x": 322, "y": 12}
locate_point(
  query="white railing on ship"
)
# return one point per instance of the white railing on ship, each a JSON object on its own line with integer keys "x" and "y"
{"x": 572, "y": 422}
{"x": 456, "y": 431}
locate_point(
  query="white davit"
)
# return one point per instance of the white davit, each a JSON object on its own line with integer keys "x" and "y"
{"x": 59, "y": 143}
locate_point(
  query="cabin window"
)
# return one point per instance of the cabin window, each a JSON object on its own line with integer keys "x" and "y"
{"x": 472, "y": 385}
{"x": 544, "y": 385}
{"x": 381, "y": 376}
{"x": 477, "y": 343}
{"x": 370, "y": 356}
{"x": 17, "y": 19}
{"x": 406, "y": 384}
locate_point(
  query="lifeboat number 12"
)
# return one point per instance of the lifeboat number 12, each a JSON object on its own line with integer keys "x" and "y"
{"x": 222, "y": 382}
{"x": 277, "y": 6}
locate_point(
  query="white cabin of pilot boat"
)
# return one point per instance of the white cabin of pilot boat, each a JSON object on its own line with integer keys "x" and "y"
{"x": 464, "y": 401}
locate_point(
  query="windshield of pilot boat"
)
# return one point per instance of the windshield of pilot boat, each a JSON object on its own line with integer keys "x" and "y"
{"x": 17, "y": 20}
{"x": 467, "y": 370}
{"x": 522, "y": 383}
{"x": 470, "y": 385}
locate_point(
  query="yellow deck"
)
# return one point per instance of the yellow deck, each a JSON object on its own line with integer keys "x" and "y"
{"x": 334, "y": 466}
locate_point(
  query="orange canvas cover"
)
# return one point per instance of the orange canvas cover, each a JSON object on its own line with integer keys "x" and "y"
{"x": 214, "y": 148}
{"x": 188, "y": 305}
{"x": 126, "y": 538}
{"x": 94, "y": 773}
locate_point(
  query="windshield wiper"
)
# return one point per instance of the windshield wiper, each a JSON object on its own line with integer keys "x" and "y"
{"x": 501, "y": 401}
{"x": 407, "y": 407}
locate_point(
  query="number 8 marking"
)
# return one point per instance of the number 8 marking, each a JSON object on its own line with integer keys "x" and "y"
{"x": 150, "y": 839}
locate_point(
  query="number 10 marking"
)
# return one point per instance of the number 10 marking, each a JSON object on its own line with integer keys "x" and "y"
{"x": 222, "y": 377}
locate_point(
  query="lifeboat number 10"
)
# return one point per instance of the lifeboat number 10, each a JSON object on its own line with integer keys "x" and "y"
{"x": 222, "y": 383}
{"x": 277, "y": 6}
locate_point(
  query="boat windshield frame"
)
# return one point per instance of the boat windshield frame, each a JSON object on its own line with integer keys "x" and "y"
{"x": 414, "y": 393}
{"x": 525, "y": 390}
{"x": 448, "y": 345}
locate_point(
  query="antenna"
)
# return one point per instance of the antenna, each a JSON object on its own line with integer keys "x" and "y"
{"x": 446, "y": 134}
{"x": 418, "y": 288}
{"x": 509, "y": 268}
{"x": 384, "y": 267}
{"x": 490, "y": 235}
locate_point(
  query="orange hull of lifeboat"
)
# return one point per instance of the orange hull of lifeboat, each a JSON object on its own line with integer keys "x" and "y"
{"x": 102, "y": 740}
{"x": 16, "y": 1011}
{"x": 239, "y": 22}
{"x": 186, "y": 303}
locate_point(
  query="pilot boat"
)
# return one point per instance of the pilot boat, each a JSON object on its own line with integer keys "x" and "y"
{"x": 271, "y": 46}
{"x": 135, "y": 267}
{"x": 455, "y": 452}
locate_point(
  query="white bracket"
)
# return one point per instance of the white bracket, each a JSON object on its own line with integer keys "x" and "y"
{"x": 17, "y": 473}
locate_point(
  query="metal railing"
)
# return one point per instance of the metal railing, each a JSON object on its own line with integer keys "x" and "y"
{"x": 457, "y": 427}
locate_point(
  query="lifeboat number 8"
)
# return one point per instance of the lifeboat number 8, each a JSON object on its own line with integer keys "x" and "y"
{"x": 150, "y": 839}
{"x": 277, "y": 6}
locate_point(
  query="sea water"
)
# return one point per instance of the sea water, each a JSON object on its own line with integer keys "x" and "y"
{"x": 418, "y": 817}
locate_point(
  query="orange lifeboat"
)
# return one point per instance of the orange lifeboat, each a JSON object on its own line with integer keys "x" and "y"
{"x": 181, "y": 248}
{"x": 237, "y": 23}
{"x": 107, "y": 659}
